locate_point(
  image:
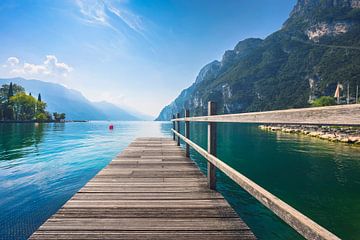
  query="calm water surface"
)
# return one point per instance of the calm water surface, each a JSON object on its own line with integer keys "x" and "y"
{"x": 42, "y": 166}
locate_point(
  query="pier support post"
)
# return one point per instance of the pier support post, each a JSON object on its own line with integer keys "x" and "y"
{"x": 211, "y": 169}
{"x": 173, "y": 117}
{"x": 187, "y": 133}
{"x": 178, "y": 128}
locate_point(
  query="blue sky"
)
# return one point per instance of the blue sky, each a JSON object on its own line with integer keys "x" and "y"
{"x": 138, "y": 54}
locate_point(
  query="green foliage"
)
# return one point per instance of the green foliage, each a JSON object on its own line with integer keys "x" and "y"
{"x": 24, "y": 106}
{"x": 8, "y": 112}
{"x": 16, "y": 105}
{"x": 323, "y": 101}
{"x": 11, "y": 92}
{"x": 39, "y": 98}
{"x": 58, "y": 117}
{"x": 41, "y": 117}
{"x": 354, "y": 13}
{"x": 5, "y": 88}
{"x": 7, "y": 91}
{"x": 40, "y": 107}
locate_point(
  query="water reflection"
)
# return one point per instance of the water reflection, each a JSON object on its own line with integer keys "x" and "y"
{"x": 319, "y": 178}
{"x": 15, "y": 138}
{"x": 165, "y": 128}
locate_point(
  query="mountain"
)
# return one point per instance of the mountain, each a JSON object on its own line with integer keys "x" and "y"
{"x": 71, "y": 102}
{"x": 317, "y": 47}
{"x": 113, "y": 112}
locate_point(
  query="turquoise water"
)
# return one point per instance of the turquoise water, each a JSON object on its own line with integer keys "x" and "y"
{"x": 42, "y": 166}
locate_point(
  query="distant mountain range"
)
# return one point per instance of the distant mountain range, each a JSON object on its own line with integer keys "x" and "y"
{"x": 317, "y": 47}
{"x": 73, "y": 103}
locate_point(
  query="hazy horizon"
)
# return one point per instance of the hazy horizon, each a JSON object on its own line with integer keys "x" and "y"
{"x": 135, "y": 54}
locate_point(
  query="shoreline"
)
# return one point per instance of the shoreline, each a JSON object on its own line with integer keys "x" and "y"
{"x": 34, "y": 121}
{"x": 343, "y": 134}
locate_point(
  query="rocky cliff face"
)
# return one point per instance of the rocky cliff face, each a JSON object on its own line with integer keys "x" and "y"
{"x": 318, "y": 46}
{"x": 303, "y": 7}
{"x": 322, "y": 18}
{"x": 320, "y": 30}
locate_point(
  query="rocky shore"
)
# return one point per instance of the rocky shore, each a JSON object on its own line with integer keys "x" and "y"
{"x": 330, "y": 133}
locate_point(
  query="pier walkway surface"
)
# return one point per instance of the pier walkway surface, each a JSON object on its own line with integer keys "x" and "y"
{"x": 149, "y": 191}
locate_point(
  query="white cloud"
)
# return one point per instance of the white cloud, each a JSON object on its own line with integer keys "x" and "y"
{"x": 12, "y": 61}
{"x": 55, "y": 67}
{"x": 100, "y": 12}
{"x": 133, "y": 21}
{"x": 93, "y": 11}
{"x": 51, "y": 67}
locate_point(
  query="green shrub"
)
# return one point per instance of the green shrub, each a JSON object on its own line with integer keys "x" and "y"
{"x": 323, "y": 101}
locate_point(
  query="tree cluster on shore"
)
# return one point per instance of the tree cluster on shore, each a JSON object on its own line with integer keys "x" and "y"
{"x": 16, "y": 105}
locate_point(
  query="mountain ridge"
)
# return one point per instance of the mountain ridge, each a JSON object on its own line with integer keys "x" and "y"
{"x": 288, "y": 69}
{"x": 76, "y": 107}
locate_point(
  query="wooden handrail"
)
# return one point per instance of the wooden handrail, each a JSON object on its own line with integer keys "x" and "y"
{"x": 302, "y": 224}
{"x": 344, "y": 115}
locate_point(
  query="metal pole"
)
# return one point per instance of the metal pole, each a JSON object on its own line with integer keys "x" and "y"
{"x": 211, "y": 175}
{"x": 357, "y": 94}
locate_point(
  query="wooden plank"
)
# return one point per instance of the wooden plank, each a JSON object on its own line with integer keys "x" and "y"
{"x": 150, "y": 224}
{"x": 149, "y": 191}
{"x": 146, "y": 196}
{"x": 142, "y": 235}
{"x": 104, "y": 178}
{"x": 225, "y": 212}
{"x": 182, "y": 203}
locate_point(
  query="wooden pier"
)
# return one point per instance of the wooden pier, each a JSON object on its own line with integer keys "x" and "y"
{"x": 150, "y": 191}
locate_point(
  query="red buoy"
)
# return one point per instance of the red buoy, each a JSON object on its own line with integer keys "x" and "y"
{"x": 111, "y": 127}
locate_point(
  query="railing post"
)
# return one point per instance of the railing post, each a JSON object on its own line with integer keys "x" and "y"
{"x": 211, "y": 169}
{"x": 173, "y": 117}
{"x": 178, "y": 128}
{"x": 187, "y": 133}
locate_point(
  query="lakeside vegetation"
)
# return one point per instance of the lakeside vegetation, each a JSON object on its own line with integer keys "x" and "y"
{"x": 323, "y": 101}
{"x": 18, "y": 106}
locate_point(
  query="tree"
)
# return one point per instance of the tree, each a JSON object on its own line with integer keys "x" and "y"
{"x": 8, "y": 112}
{"x": 58, "y": 117}
{"x": 6, "y": 90}
{"x": 23, "y": 106}
{"x": 11, "y": 91}
{"x": 15, "y": 104}
{"x": 41, "y": 117}
{"x": 40, "y": 107}
{"x": 323, "y": 101}
{"x": 62, "y": 116}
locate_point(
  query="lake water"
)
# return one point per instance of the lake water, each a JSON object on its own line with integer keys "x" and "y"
{"x": 42, "y": 166}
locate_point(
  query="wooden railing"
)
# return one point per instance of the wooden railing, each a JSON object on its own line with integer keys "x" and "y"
{"x": 336, "y": 115}
{"x": 344, "y": 115}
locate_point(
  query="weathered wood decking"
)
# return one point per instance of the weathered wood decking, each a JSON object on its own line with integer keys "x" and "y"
{"x": 150, "y": 191}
